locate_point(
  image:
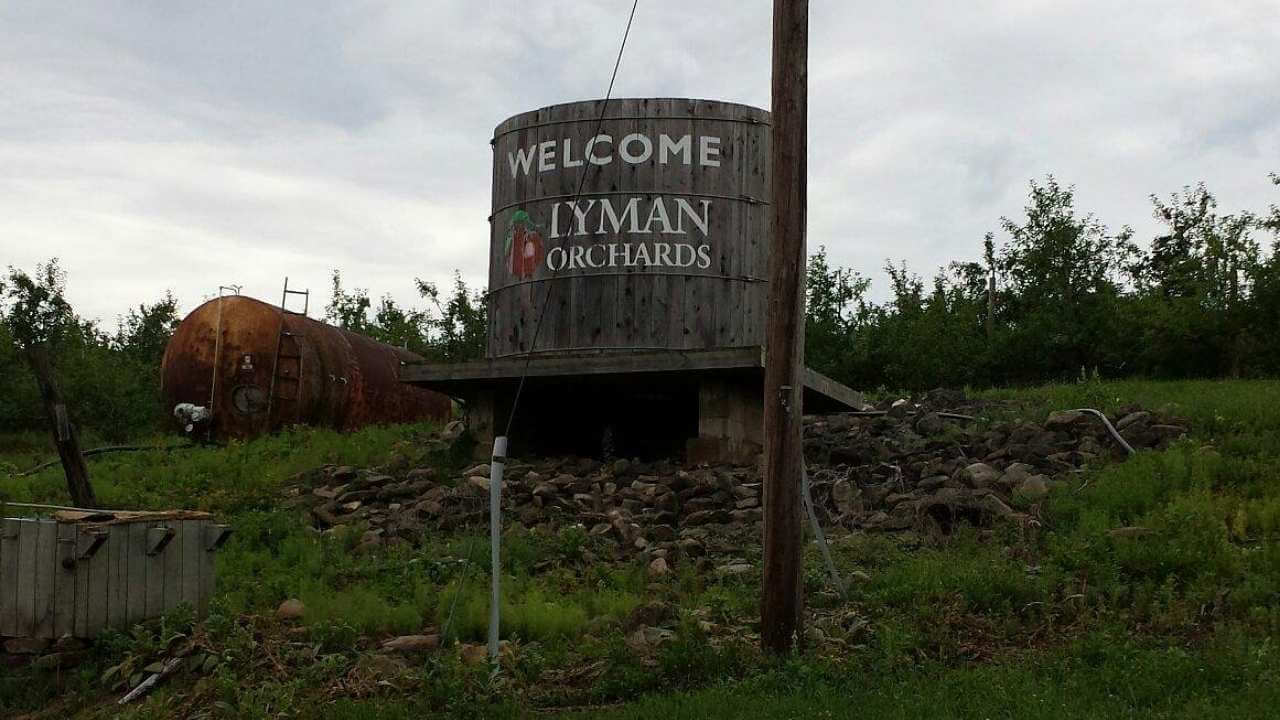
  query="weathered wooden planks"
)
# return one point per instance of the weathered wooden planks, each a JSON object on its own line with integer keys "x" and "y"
{"x": 10, "y": 551}
{"x": 64, "y": 584}
{"x": 73, "y": 578}
{"x": 192, "y": 562}
{"x": 617, "y": 279}
{"x": 46, "y": 536}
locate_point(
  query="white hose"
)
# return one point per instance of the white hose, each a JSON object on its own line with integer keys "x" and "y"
{"x": 1110, "y": 428}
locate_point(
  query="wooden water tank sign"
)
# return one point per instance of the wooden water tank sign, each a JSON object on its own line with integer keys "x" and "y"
{"x": 77, "y": 575}
{"x": 664, "y": 248}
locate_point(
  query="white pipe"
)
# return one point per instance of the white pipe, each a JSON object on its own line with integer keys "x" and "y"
{"x": 496, "y": 467}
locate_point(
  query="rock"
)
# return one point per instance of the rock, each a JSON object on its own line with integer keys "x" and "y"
{"x": 692, "y": 547}
{"x": 291, "y": 609}
{"x": 412, "y": 643}
{"x": 26, "y": 646}
{"x": 893, "y": 499}
{"x": 658, "y": 569}
{"x": 1034, "y": 488}
{"x": 420, "y": 474}
{"x": 929, "y": 424}
{"x": 1134, "y": 418}
{"x": 1014, "y": 475}
{"x": 997, "y": 507}
{"x": 899, "y": 408}
{"x": 473, "y": 654}
{"x": 343, "y": 474}
{"x": 734, "y": 569}
{"x": 648, "y": 638}
{"x": 847, "y": 497}
{"x": 1066, "y": 420}
{"x": 932, "y": 483}
{"x": 621, "y": 466}
{"x": 67, "y": 643}
{"x": 350, "y": 507}
{"x": 703, "y": 517}
{"x": 454, "y": 430}
{"x": 652, "y": 613}
{"x": 1168, "y": 432}
{"x": 875, "y": 520}
{"x": 481, "y": 469}
{"x": 480, "y": 482}
{"x": 662, "y": 532}
{"x": 978, "y": 475}
{"x": 371, "y": 481}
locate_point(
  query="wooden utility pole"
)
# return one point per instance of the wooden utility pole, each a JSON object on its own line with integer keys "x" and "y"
{"x": 64, "y": 433}
{"x": 780, "y": 603}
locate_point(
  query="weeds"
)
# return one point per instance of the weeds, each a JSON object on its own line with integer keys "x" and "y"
{"x": 1151, "y": 589}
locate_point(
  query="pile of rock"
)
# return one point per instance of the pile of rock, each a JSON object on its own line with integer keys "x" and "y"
{"x": 655, "y": 508}
{"x": 65, "y": 652}
{"x": 911, "y": 464}
{"x": 915, "y": 464}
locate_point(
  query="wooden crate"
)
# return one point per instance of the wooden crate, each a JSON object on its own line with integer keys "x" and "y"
{"x": 78, "y": 573}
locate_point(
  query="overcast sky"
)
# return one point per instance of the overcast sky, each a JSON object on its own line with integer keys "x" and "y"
{"x": 157, "y": 145}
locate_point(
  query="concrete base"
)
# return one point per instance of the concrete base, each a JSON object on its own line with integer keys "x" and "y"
{"x": 730, "y": 422}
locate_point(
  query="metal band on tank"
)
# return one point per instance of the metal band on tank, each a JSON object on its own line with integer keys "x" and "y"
{"x": 664, "y": 118}
{"x": 737, "y": 198}
{"x": 615, "y": 273}
{"x": 582, "y": 348}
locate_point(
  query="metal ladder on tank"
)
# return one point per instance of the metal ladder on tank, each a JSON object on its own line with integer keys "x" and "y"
{"x": 295, "y": 357}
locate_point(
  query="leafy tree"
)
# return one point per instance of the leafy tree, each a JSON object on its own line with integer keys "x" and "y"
{"x": 834, "y": 297}
{"x": 460, "y": 329}
{"x": 1064, "y": 274}
{"x": 451, "y": 330}
{"x": 145, "y": 331}
{"x": 403, "y": 327}
{"x": 37, "y": 315}
{"x": 35, "y": 310}
{"x": 347, "y": 309}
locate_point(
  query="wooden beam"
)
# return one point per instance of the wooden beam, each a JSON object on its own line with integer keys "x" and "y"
{"x": 614, "y": 363}
{"x": 65, "y": 438}
{"x": 780, "y": 603}
{"x": 828, "y": 388}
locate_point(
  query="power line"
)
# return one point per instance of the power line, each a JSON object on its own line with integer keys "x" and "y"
{"x": 500, "y": 443}
{"x": 546, "y": 299}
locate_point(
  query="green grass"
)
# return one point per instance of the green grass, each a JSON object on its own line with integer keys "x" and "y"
{"x": 1059, "y": 618}
{"x": 224, "y": 479}
{"x": 1100, "y": 676}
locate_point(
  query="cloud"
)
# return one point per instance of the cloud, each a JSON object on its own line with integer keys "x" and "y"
{"x": 182, "y": 146}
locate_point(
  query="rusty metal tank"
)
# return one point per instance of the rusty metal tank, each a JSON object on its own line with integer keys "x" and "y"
{"x": 238, "y": 367}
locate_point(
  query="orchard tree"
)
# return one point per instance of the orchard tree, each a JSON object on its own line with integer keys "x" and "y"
{"x": 460, "y": 328}
{"x": 37, "y": 316}
{"x": 1063, "y": 275}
